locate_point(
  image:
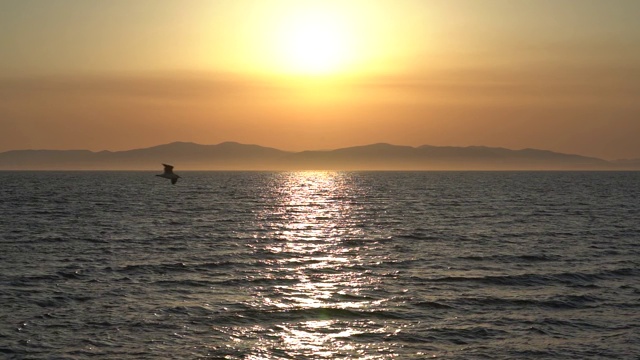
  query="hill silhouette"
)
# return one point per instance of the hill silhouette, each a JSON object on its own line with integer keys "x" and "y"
{"x": 236, "y": 156}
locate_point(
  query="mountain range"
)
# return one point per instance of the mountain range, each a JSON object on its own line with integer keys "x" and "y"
{"x": 236, "y": 156}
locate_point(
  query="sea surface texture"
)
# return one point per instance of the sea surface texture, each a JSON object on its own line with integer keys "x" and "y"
{"x": 320, "y": 265}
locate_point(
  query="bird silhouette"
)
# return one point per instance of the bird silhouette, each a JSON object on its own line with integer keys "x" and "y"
{"x": 168, "y": 174}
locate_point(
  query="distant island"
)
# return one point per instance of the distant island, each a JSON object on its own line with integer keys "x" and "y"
{"x": 236, "y": 156}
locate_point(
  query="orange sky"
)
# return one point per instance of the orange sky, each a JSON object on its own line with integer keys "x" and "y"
{"x": 559, "y": 75}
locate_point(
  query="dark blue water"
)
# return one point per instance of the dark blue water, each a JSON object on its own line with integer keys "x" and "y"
{"x": 311, "y": 265}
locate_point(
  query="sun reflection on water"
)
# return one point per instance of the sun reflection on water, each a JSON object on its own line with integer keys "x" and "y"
{"x": 315, "y": 205}
{"x": 322, "y": 301}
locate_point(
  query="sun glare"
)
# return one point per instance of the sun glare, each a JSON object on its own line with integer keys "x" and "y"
{"x": 303, "y": 40}
{"x": 314, "y": 43}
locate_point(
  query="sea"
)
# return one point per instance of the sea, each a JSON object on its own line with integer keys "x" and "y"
{"x": 320, "y": 265}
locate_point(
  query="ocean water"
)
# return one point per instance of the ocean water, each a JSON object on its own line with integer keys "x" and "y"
{"x": 320, "y": 265}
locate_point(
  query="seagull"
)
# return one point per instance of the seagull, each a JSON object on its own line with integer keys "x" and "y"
{"x": 168, "y": 174}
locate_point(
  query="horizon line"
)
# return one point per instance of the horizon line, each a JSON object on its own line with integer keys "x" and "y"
{"x": 323, "y": 150}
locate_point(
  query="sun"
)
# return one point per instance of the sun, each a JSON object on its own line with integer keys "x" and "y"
{"x": 309, "y": 41}
{"x": 315, "y": 48}
{"x": 315, "y": 44}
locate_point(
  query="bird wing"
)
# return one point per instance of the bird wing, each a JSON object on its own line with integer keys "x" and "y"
{"x": 174, "y": 181}
{"x": 168, "y": 169}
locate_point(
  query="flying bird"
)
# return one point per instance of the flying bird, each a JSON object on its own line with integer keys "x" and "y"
{"x": 168, "y": 174}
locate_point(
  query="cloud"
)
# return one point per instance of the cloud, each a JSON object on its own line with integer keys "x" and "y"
{"x": 540, "y": 84}
{"x": 168, "y": 86}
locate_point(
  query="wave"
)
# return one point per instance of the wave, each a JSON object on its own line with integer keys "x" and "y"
{"x": 511, "y": 258}
{"x": 152, "y": 268}
{"x": 567, "y": 278}
{"x": 307, "y": 314}
{"x": 177, "y": 284}
{"x": 176, "y": 267}
{"x": 453, "y": 335}
{"x": 556, "y": 302}
{"x": 432, "y": 305}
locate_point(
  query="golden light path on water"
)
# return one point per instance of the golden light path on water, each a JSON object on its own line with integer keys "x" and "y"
{"x": 322, "y": 277}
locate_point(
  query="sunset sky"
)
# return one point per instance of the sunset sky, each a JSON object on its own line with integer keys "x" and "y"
{"x": 562, "y": 75}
